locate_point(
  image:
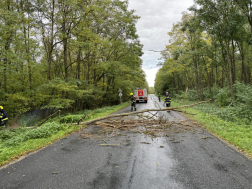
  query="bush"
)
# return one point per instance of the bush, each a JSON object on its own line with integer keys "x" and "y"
{"x": 192, "y": 95}
{"x": 239, "y": 111}
{"x": 6, "y": 134}
{"x": 40, "y": 132}
{"x": 71, "y": 118}
{"x": 223, "y": 97}
{"x": 14, "y": 141}
{"x": 215, "y": 91}
{"x": 44, "y": 131}
{"x": 243, "y": 94}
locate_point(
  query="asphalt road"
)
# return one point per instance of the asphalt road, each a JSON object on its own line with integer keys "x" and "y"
{"x": 181, "y": 155}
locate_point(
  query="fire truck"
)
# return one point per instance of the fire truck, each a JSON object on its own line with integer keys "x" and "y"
{"x": 141, "y": 95}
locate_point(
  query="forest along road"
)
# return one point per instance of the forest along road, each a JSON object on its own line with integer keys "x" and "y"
{"x": 174, "y": 155}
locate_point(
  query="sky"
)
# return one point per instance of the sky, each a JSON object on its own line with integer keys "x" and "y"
{"x": 157, "y": 19}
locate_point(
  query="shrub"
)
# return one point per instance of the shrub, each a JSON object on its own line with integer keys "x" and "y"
{"x": 44, "y": 131}
{"x": 14, "y": 141}
{"x": 71, "y": 118}
{"x": 6, "y": 134}
{"x": 192, "y": 95}
{"x": 40, "y": 132}
{"x": 243, "y": 94}
{"x": 223, "y": 97}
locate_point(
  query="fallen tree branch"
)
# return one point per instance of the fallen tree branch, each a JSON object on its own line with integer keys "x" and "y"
{"x": 104, "y": 140}
{"x": 152, "y": 115}
{"x": 46, "y": 119}
{"x": 81, "y": 119}
{"x": 192, "y": 104}
{"x": 105, "y": 124}
{"x": 181, "y": 112}
{"x": 138, "y": 112}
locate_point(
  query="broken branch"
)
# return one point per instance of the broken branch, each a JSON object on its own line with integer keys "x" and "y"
{"x": 138, "y": 112}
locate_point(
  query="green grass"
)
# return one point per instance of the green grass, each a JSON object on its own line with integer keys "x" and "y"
{"x": 17, "y": 142}
{"x": 238, "y": 134}
{"x": 9, "y": 153}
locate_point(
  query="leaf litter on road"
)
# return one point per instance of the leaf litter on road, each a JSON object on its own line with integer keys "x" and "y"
{"x": 151, "y": 125}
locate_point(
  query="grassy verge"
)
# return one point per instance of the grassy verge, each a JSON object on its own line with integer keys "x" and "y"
{"x": 239, "y": 135}
{"x": 17, "y": 142}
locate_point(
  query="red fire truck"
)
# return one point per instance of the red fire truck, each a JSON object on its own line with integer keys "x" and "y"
{"x": 141, "y": 95}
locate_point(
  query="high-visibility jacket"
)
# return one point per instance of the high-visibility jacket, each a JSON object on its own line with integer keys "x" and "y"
{"x": 3, "y": 115}
{"x": 167, "y": 99}
{"x": 133, "y": 98}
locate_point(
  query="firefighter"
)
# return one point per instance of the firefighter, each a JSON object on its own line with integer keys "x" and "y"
{"x": 167, "y": 99}
{"x": 167, "y": 94}
{"x": 3, "y": 116}
{"x": 159, "y": 97}
{"x": 133, "y": 101}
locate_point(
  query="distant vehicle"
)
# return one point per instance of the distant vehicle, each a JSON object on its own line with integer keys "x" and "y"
{"x": 141, "y": 95}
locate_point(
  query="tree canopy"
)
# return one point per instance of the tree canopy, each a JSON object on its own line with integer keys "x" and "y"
{"x": 210, "y": 47}
{"x": 67, "y": 54}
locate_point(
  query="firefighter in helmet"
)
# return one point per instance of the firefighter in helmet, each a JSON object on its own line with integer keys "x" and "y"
{"x": 3, "y": 116}
{"x": 133, "y": 101}
{"x": 167, "y": 99}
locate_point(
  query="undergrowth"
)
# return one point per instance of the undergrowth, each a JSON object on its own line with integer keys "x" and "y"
{"x": 18, "y": 141}
{"x": 218, "y": 120}
{"x": 238, "y": 111}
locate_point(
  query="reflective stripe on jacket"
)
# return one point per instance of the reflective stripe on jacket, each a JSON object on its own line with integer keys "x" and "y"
{"x": 167, "y": 99}
{"x": 3, "y": 115}
{"x": 133, "y": 98}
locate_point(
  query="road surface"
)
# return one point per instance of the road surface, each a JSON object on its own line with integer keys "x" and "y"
{"x": 181, "y": 156}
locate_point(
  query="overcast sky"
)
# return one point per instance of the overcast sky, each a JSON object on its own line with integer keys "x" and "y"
{"x": 157, "y": 18}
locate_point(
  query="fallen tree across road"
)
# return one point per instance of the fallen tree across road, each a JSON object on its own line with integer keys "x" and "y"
{"x": 139, "y": 113}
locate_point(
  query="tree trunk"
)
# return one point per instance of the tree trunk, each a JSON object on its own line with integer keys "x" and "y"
{"x": 78, "y": 63}
{"x": 243, "y": 72}
{"x": 103, "y": 81}
{"x": 189, "y": 79}
{"x": 208, "y": 78}
{"x": 88, "y": 67}
{"x": 233, "y": 62}
{"x": 65, "y": 49}
{"x": 6, "y": 48}
{"x": 135, "y": 112}
{"x": 27, "y": 46}
{"x": 48, "y": 41}
{"x": 196, "y": 76}
{"x": 175, "y": 85}
{"x": 230, "y": 71}
{"x": 224, "y": 67}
